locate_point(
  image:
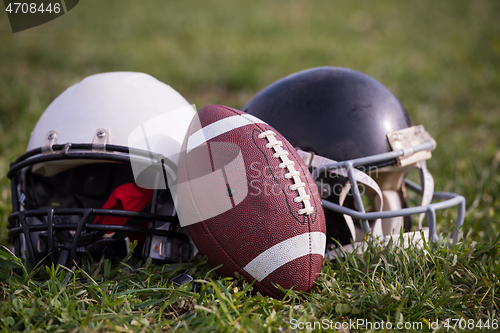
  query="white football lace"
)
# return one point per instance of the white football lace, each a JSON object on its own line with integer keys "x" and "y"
{"x": 292, "y": 173}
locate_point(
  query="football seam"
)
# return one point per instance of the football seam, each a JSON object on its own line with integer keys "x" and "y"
{"x": 312, "y": 220}
{"x": 308, "y": 184}
{"x": 297, "y": 158}
{"x": 310, "y": 258}
{"x": 262, "y": 128}
{"x": 221, "y": 248}
{"x": 290, "y": 210}
{"x": 294, "y": 175}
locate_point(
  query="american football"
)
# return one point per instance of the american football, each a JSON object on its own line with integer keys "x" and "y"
{"x": 249, "y": 202}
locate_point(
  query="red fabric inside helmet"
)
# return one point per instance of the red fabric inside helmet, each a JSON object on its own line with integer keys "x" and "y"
{"x": 129, "y": 197}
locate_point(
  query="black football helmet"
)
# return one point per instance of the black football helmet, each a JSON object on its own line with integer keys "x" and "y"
{"x": 359, "y": 142}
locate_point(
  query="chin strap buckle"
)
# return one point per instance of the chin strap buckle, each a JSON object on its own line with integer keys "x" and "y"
{"x": 50, "y": 140}
{"x": 101, "y": 138}
{"x": 406, "y": 140}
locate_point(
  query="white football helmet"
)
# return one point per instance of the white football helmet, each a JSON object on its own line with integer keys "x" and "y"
{"x": 94, "y": 174}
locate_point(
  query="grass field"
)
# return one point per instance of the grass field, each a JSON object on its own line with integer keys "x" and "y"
{"x": 440, "y": 58}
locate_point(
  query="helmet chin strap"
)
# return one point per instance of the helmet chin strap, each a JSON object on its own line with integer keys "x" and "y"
{"x": 356, "y": 232}
{"x": 427, "y": 188}
{"x": 361, "y": 178}
{"x": 391, "y": 188}
{"x": 387, "y": 199}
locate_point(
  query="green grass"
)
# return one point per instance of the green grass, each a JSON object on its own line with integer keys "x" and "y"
{"x": 441, "y": 58}
{"x": 391, "y": 285}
